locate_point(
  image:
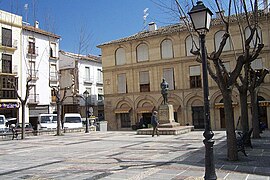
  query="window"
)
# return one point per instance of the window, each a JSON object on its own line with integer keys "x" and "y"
{"x": 87, "y": 74}
{"x": 122, "y": 83}
{"x": 142, "y": 52}
{"x": 257, "y": 37}
{"x": 144, "y": 81}
{"x": 53, "y": 49}
{"x": 53, "y": 72}
{"x": 218, "y": 39}
{"x": 32, "y": 68}
{"x": 53, "y": 95}
{"x": 227, "y": 66}
{"x": 6, "y": 63}
{"x": 195, "y": 77}
{"x": 192, "y": 43}
{"x": 6, "y": 37}
{"x": 168, "y": 75}
{"x": 257, "y": 64}
{"x": 6, "y": 88}
{"x": 99, "y": 76}
{"x": 125, "y": 120}
{"x": 31, "y": 46}
{"x": 166, "y": 49}
{"x": 120, "y": 56}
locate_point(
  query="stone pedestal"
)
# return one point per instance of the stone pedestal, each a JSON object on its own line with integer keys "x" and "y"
{"x": 165, "y": 114}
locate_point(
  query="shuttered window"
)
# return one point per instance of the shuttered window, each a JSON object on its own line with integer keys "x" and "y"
{"x": 142, "y": 53}
{"x": 166, "y": 49}
{"x": 120, "y": 56}
{"x": 168, "y": 75}
{"x": 122, "y": 83}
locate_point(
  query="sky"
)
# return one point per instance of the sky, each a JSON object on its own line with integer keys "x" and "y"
{"x": 98, "y": 21}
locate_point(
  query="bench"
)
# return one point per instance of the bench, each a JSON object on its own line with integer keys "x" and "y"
{"x": 243, "y": 140}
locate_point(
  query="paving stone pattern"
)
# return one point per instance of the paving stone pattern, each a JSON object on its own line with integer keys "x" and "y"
{"x": 125, "y": 155}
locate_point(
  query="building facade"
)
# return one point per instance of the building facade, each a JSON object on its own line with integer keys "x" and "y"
{"x": 81, "y": 73}
{"x": 133, "y": 68}
{"x": 40, "y": 63}
{"x": 10, "y": 64}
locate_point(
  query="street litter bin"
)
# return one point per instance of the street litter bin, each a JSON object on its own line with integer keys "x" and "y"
{"x": 103, "y": 125}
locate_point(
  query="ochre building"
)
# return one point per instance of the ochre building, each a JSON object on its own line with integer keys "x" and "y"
{"x": 133, "y": 68}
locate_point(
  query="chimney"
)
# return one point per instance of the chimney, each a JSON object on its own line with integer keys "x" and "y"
{"x": 36, "y": 24}
{"x": 152, "y": 26}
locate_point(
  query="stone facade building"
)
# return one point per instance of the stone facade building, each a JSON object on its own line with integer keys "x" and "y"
{"x": 133, "y": 68}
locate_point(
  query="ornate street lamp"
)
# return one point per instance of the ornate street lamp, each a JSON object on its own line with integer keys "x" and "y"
{"x": 86, "y": 95}
{"x": 201, "y": 18}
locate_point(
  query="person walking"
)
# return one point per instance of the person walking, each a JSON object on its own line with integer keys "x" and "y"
{"x": 154, "y": 122}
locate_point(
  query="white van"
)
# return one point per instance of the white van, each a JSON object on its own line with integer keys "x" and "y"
{"x": 3, "y": 121}
{"x": 73, "y": 120}
{"x": 47, "y": 121}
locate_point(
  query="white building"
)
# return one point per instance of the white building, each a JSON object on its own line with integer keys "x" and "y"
{"x": 39, "y": 62}
{"x": 86, "y": 72}
{"x": 10, "y": 63}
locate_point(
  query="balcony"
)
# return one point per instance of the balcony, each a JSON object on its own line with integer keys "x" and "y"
{"x": 33, "y": 75}
{"x": 9, "y": 45}
{"x": 32, "y": 52}
{"x": 33, "y": 99}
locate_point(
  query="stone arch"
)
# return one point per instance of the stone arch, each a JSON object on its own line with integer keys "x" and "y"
{"x": 121, "y": 101}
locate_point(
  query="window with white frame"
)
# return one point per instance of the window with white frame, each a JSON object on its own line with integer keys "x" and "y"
{"x": 31, "y": 46}
{"x": 192, "y": 43}
{"x": 227, "y": 66}
{"x": 142, "y": 52}
{"x": 122, "y": 83}
{"x": 168, "y": 75}
{"x": 100, "y": 76}
{"x": 166, "y": 49}
{"x": 120, "y": 56}
{"x": 144, "y": 81}
{"x": 257, "y": 37}
{"x": 218, "y": 39}
{"x": 87, "y": 74}
{"x": 53, "y": 49}
{"x": 53, "y": 72}
{"x": 195, "y": 76}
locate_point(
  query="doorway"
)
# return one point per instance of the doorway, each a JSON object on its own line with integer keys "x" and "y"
{"x": 198, "y": 117}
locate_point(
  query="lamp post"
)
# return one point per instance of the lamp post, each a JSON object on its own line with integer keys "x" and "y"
{"x": 201, "y": 17}
{"x": 86, "y": 95}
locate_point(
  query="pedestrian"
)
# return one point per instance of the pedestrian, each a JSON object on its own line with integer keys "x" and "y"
{"x": 154, "y": 122}
{"x": 14, "y": 131}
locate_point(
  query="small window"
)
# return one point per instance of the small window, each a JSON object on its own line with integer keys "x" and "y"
{"x": 168, "y": 75}
{"x": 142, "y": 52}
{"x": 166, "y": 49}
{"x": 195, "y": 77}
{"x": 192, "y": 43}
{"x": 87, "y": 74}
{"x": 53, "y": 50}
{"x": 144, "y": 81}
{"x": 6, "y": 63}
{"x": 6, "y": 37}
{"x": 257, "y": 37}
{"x": 122, "y": 83}
{"x": 218, "y": 39}
{"x": 99, "y": 76}
{"x": 120, "y": 56}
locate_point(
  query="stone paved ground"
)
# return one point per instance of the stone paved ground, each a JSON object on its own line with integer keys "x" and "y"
{"x": 125, "y": 155}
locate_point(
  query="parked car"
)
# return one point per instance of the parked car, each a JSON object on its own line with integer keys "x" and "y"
{"x": 47, "y": 121}
{"x": 73, "y": 120}
{"x": 28, "y": 127}
{"x": 3, "y": 125}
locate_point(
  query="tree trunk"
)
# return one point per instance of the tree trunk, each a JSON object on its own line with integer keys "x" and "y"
{"x": 232, "y": 153}
{"x": 59, "y": 118}
{"x": 23, "y": 120}
{"x": 255, "y": 115}
{"x": 244, "y": 110}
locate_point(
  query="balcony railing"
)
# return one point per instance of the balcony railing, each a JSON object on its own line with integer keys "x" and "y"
{"x": 33, "y": 99}
{"x": 88, "y": 80}
{"x": 33, "y": 74}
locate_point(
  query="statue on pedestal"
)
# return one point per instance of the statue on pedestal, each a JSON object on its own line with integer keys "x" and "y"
{"x": 164, "y": 91}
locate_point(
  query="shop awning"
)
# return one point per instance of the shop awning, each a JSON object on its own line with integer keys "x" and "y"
{"x": 9, "y": 105}
{"x": 147, "y": 109}
{"x": 122, "y": 110}
{"x": 221, "y": 105}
